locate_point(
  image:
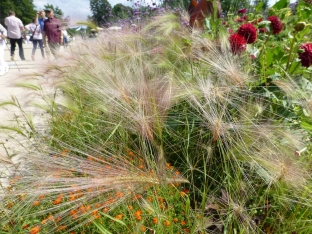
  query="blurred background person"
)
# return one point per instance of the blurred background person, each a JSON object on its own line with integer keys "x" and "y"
{"x": 37, "y": 37}
{"x": 15, "y": 31}
{"x": 4, "y": 67}
{"x": 52, "y": 32}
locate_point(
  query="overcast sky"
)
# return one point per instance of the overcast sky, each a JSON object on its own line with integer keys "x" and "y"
{"x": 76, "y": 9}
{"x": 79, "y": 9}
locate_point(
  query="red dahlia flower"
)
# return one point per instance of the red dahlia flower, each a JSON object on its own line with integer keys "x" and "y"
{"x": 306, "y": 55}
{"x": 276, "y": 24}
{"x": 238, "y": 43}
{"x": 242, "y": 11}
{"x": 249, "y": 32}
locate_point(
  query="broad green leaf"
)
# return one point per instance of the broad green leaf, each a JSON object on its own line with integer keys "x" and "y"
{"x": 280, "y": 4}
{"x": 259, "y": 7}
{"x": 306, "y": 126}
{"x": 112, "y": 218}
{"x": 101, "y": 228}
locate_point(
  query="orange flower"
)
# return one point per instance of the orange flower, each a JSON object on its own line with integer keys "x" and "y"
{"x": 119, "y": 194}
{"x": 84, "y": 208}
{"x": 60, "y": 228}
{"x": 65, "y": 152}
{"x": 34, "y": 230}
{"x": 175, "y": 220}
{"x": 105, "y": 209}
{"x": 41, "y": 197}
{"x": 58, "y": 219}
{"x": 149, "y": 199}
{"x": 119, "y": 216}
{"x": 182, "y": 194}
{"x": 143, "y": 228}
{"x": 186, "y": 190}
{"x": 155, "y": 220}
{"x": 137, "y": 215}
{"x": 95, "y": 214}
{"x": 138, "y": 212}
{"x": 168, "y": 166}
{"x": 183, "y": 222}
{"x": 130, "y": 207}
{"x": 36, "y": 203}
{"x": 186, "y": 230}
{"x": 136, "y": 197}
{"x": 58, "y": 200}
{"x": 141, "y": 166}
{"x": 131, "y": 154}
{"x": 167, "y": 223}
{"x": 26, "y": 226}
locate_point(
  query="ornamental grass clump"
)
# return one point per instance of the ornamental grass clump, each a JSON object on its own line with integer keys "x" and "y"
{"x": 163, "y": 131}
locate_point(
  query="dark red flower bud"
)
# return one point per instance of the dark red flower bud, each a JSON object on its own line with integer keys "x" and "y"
{"x": 242, "y": 11}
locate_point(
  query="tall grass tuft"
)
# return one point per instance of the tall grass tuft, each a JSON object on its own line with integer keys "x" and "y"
{"x": 162, "y": 130}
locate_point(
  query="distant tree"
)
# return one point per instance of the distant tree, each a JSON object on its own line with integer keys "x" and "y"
{"x": 121, "y": 11}
{"x": 24, "y": 9}
{"x": 233, "y": 5}
{"x": 183, "y": 4}
{"x": 57, "y": 11}
{"x": 101, "y": 11}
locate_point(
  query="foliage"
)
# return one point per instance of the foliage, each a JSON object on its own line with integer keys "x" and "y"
{"x": 24, "y": 10}
{"x": 101, "y": 11}
{"x": 121, "y": 11}
{"x": 57, "y": 11}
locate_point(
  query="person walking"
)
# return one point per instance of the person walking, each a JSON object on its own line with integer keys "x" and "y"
{"x": 37, "y": 37}
{"x": 15, "y": 30}
{"x": 4, "y": 67}
{"x": 52, "y": 32}
{"x": 65, "y": 37}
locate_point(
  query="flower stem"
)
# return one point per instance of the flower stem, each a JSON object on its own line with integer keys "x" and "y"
{"x": 291, "y": 49}
{"x": 264, "y": 44}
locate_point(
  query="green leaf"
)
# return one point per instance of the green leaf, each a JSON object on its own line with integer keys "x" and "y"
{"x": 112, "y": 218}
{"x": 101, "y": 228}
{"x": 306, "y": 126}
{"x": 280, "y": 4}
{"x": 259, "y": 7}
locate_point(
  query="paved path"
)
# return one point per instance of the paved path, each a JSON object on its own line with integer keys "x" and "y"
{"x": 12, "y": 144}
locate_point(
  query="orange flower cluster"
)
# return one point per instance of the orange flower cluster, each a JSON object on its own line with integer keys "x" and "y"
{"x": 62, "y": 227}
{"x": 96, "y": 214}
{"x": 35, "y": 230}
{"x": 119, "y": 194}
{"x": 59, "y": 199}
{"x": 138, "y": 214}
{"x": 74, "y": 195}
{"x": 36, "y": 203}
{"x": 155, "y": 220}
{"x": 119, "y": 217}
{"x": 167, "y": 223}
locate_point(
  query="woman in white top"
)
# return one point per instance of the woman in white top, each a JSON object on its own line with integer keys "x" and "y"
{"x": 4, "y": 67}
{"x": 37, "y": 37}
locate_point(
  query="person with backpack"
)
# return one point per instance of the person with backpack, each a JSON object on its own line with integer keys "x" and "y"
{"x": 36, "y": 33}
